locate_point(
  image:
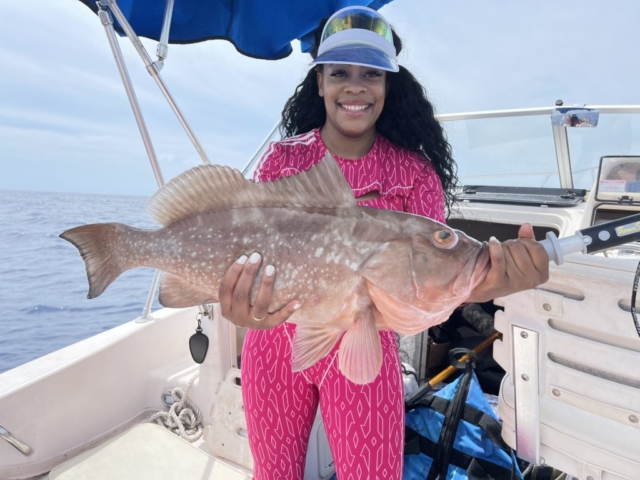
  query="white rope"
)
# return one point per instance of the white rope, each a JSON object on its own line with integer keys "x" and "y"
{"x": 184, "y": 417}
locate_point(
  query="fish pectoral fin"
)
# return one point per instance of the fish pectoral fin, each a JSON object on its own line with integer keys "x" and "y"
{"x": 403, "y": 317}
{"x": 360, "y": 355}
{"x": 310, "y": 344}
{"x": 176, "y": 293}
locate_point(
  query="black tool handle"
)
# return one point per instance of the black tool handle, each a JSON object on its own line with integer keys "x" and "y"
{"x": 612, "y": 234}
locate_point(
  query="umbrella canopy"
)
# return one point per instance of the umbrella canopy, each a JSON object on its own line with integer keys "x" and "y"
{"x": 257, "y": 28}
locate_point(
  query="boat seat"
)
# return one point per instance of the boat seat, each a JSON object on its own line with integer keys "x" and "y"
{"x": 147, "y": 452}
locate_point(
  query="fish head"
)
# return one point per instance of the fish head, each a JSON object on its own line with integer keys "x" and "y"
{"x": 418, "y": 279}
{"x": 446, "y": 265}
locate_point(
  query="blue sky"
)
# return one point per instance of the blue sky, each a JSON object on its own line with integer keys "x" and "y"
{"x": 66, "y": 125}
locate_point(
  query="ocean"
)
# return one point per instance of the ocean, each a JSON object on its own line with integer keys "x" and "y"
{"x": 43, "y": 285}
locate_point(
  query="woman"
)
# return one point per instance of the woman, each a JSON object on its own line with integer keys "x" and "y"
{"x": 376, "y": 121}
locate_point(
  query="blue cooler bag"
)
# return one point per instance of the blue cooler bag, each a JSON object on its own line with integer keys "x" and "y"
{"x": 454, "y": 435}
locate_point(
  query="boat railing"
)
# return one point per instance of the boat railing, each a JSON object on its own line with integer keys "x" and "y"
{"x": 14, "y": 441}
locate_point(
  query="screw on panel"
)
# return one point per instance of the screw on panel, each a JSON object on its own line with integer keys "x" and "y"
{"x": 589, "y": 477}
{"x": 546, "y": 306}
{"x": 556, "y": 392}
{"x": 524, "y": 334}
{"x": 633, "y": 419}
{"x": 525, "y": 377}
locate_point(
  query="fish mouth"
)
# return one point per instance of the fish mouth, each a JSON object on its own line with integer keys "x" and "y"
{"x": 475, "y": 271}
{"x": 481, "y": 267}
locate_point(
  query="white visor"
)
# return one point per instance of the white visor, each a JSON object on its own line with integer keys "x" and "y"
{"x": 358, "y": 36}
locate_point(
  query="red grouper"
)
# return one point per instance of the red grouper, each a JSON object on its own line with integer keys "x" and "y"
{"x": 355, "y": 269}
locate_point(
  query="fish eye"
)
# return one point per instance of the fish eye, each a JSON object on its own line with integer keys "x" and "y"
{"x": 445, "y": 238}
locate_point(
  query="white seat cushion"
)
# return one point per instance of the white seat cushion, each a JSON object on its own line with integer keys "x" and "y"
{"x": 146, "y": 452}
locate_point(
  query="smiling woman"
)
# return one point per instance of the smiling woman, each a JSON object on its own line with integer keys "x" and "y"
{"x": 374, "y": 118}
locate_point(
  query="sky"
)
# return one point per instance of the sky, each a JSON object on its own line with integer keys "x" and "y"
{"x": 66, "y": 124}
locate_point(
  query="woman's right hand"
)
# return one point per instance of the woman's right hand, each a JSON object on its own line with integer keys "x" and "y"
{"x": 235, "y": 295}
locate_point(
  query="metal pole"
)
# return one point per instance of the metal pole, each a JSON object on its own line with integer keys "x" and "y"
{"x": 107, "y": 22}
{"x": 561, "y": 140}
{"x": 145, "y": 316}
{"x": 254, "y": 157}
{"x": 153, "y": 71}
{"x": 163, "y": 46}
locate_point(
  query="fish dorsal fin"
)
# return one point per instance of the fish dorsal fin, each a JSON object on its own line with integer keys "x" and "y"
{"x": 209, "y": 188}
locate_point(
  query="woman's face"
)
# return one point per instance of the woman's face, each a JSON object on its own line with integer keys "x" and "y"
{"x": 353, "y": 97}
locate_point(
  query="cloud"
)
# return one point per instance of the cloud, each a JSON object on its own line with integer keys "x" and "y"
{"x": 65, "y": 114}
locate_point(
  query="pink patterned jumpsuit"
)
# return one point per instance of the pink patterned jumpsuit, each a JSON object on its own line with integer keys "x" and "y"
{"x": 364, "y": 423}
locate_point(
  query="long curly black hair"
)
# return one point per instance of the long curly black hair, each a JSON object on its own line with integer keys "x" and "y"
{"x": 407, "y": 119}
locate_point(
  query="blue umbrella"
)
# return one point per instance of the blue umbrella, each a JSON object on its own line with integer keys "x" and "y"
{"x": 257, "y": 28}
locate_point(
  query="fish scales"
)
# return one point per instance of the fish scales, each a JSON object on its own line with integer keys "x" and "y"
{"x": 355, "y": 269}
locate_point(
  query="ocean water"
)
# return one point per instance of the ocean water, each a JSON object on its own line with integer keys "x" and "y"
{"x": 43, "y": 285}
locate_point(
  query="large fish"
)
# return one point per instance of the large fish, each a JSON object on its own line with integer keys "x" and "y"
{"x": 355, "y": 269}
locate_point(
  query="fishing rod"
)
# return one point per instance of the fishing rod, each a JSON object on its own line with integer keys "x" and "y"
{"x": 414, "y": 397}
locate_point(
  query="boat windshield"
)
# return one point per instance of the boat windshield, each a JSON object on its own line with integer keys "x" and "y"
{"x": 519, "y": 148}
{"x": 505, "y": 151}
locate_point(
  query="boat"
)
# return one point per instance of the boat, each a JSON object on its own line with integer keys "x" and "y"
{"x": 570, "y": 398}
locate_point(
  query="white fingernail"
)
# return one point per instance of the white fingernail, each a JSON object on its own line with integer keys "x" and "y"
{"x": 297, "y": 306}
{"x": 242, "y": 260}
{"x": 270, "y": 270}
{"x": 255, "y": 257}
{"x": 493, "y": 239}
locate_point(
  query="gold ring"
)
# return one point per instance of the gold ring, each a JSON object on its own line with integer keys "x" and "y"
{"x": 258, "y": 319}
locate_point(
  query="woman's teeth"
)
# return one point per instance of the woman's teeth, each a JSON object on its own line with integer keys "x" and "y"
{"x": 354, "y": 108}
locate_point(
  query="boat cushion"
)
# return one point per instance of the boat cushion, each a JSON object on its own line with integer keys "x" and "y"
{"x": 146, "y": 452}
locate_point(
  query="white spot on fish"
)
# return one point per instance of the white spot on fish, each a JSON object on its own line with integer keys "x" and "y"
{"x": 319, "y": 251}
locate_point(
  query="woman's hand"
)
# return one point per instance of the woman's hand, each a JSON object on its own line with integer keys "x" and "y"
{"x": 235, "y": 295}
{"x": 516, "y": 265}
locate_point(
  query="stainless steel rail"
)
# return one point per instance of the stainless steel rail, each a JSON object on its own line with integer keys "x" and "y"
{"x": 22, "y": 447}
{"x": 153, "y": 71}
{"x": 163, "y": 46}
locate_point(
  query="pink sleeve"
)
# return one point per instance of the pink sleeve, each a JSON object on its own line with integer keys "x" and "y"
{"x": 270, "y": 165}
{"x": 427, "y": 196}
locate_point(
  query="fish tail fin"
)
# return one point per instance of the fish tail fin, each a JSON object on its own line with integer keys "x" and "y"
{"x": 97, "y": 244}
{"x": 360, "y": 355}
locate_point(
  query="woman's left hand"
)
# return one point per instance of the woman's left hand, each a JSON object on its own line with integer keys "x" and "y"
{"x": 516, "y": 265}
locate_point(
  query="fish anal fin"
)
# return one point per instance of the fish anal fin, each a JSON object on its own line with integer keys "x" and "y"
{"x": 360, "y": 355}
{"x": 403, "y": 317}
{"x": 310, "y": 344}
{"x": 176, "y": 293}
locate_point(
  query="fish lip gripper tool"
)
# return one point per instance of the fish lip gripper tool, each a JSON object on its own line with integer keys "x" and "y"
{"x": 593, "y": 239}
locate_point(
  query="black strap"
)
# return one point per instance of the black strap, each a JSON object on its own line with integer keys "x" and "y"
{"x": 477, "y": 469}
{"x": 415, "y": 444}
{"x": 451, "y": 422}
{"x": 482, "y": 470}
{"x": 471, "y": 415}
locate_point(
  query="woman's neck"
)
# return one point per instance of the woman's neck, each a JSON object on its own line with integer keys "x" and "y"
{"x": 347, "y": 147}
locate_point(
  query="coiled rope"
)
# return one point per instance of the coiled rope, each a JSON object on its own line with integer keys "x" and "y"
{"x": 184, "y": 417}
